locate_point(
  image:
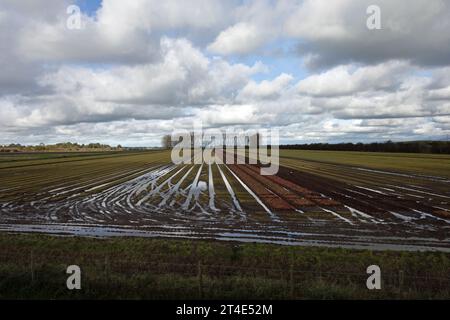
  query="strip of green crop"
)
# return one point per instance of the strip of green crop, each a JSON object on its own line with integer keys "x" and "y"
{"x": 425, "y": 164}
{"x": 136, "y": 268}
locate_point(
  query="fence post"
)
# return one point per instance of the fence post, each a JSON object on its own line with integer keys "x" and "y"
{"x": 291, "y": 280}
{"x": 200, "y": 279}
{"x": 400, "y": 279}
{"x": 320, "y": 270}
{"x": 106, "y": 269}
{"x": 31, "y": 266}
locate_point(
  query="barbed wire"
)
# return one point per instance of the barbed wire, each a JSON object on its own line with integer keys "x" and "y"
{"x": 117, "y": 265}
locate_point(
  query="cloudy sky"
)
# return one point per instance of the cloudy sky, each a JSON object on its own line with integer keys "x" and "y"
{"x": 136, "y": 70}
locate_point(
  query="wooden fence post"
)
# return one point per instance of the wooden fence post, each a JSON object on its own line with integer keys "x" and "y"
{"x": 106, "y": 268}
{"x": 200, "y": 279}
{"x": 400, "y": 279}
{"x": 31, "y": 266}
{"x": 291, "y": 281}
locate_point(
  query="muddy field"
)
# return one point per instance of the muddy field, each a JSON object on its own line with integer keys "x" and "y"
{"x": 308, "y": 202}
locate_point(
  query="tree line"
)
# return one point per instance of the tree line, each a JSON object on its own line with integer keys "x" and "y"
{"x": 64, "y": 146}
{"x": 239, "y": 140}
{"x": 439, "y": 147}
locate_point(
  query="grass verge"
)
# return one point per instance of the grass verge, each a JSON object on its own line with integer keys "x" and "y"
{"x": 34, "y": 267}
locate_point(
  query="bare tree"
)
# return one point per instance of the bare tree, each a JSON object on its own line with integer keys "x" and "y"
{"x": 166, "y": 141}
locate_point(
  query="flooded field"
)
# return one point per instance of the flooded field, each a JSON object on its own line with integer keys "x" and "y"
{"x": 309, "y": 202}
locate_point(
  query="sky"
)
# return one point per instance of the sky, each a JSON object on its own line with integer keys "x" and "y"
{"x": 136, "y": 70}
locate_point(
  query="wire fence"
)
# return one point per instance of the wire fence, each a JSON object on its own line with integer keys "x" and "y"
{"x": 206, "y": 274}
